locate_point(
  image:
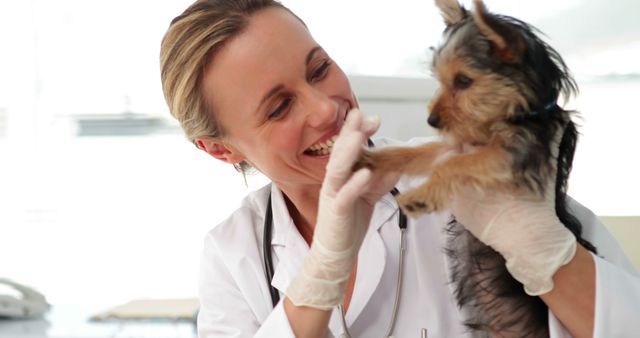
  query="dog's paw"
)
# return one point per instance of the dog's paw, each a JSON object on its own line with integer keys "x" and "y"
{"x": 414, "y": 209}
{"x": 416, "y": 204}
{"x": 365, "y": 160}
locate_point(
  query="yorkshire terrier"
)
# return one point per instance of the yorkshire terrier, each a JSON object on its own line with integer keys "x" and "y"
{"x": 497, "y": 105}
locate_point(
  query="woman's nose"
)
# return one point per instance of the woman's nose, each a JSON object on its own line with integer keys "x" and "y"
{"x": 321, "y": 109}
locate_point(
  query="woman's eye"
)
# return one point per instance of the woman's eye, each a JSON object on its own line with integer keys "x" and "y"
{"x": 284, "y": 104}
{"x": 462, "y": 81}
{"x": 321, "y": 71}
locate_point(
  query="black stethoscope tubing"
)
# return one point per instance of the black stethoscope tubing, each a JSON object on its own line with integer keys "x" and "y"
{"x": 267, "y": 254}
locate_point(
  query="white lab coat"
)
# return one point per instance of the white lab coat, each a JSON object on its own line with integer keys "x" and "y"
{"x": 235, "y": 300}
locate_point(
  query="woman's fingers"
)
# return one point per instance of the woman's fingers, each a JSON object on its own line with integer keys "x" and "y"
{"x": 352, "y": 190}
{"x": 370, "y": 125}
{"x": 345, "y": 151}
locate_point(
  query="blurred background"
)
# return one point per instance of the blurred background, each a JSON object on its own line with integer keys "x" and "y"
{"x": 103, "y": 200}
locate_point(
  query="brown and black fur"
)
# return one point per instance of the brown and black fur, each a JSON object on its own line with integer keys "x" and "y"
{"x": 497, "y": 108}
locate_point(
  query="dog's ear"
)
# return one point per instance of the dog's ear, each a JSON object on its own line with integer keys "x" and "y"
{"x": 508, "y": 45}
{"x": 452, "y": 11}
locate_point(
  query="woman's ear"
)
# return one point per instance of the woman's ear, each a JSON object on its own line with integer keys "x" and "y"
{"x": 219, "y": 149}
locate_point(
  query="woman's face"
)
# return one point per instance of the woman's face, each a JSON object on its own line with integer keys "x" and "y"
{"x": 278, "y": 97}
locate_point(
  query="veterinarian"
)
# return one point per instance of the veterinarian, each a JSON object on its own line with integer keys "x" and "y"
{"x": 251, "y": 87}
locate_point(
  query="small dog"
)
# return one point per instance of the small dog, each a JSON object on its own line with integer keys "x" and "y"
{"x": 497, "y": 106}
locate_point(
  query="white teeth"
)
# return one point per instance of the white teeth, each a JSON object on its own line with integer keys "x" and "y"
{"x": 323, "y": 148}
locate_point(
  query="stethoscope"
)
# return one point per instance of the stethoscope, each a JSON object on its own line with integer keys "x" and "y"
{"x": 268, "y": 264}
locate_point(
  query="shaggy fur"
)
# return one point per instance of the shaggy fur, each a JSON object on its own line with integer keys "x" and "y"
{"x": 497, "y": 105}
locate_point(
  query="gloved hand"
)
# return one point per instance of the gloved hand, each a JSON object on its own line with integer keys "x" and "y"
{"x": 346, "y": 203}
{"x": 523, "y": 228}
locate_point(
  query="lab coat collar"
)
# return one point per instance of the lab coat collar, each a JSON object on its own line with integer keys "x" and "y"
{"x": 290, "y": 249}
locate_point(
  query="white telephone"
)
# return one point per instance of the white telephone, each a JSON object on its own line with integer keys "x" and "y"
{"x": 19, "y": 301}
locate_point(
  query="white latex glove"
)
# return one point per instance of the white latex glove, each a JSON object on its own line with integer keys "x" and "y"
{"x": 345, "y": 207}
{"x": 523, "y": 228}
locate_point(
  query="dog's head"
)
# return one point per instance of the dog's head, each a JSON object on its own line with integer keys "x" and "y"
{"x": 492, "y": 69}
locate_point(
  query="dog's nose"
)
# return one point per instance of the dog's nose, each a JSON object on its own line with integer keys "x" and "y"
{"x": 434, "y": 120}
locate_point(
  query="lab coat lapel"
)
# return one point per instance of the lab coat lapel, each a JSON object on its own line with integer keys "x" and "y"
{"x": 372, "y": 257}
{"x": 287, "y": 244}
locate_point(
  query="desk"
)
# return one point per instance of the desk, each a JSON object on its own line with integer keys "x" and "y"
{"x": 66, "y": 321}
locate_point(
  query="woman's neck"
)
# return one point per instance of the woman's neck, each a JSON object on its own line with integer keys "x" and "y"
{"x": 302, "y": 204}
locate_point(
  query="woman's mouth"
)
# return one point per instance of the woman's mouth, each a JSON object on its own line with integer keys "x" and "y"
{"x": 322, "y": 148}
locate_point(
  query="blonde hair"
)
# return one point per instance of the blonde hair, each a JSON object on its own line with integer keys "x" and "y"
{"x": 188, "y": 46}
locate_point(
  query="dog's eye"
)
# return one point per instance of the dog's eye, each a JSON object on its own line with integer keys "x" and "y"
{"x": 462, "y": 81}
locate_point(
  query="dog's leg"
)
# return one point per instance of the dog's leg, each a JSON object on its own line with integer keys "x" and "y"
{"x": 413, "y": 161}
{"x": 488, "y": 166}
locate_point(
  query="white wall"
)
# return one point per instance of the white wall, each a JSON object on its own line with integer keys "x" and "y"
{"x": 627, "y": 231}
{"x": 401, "y": 103}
